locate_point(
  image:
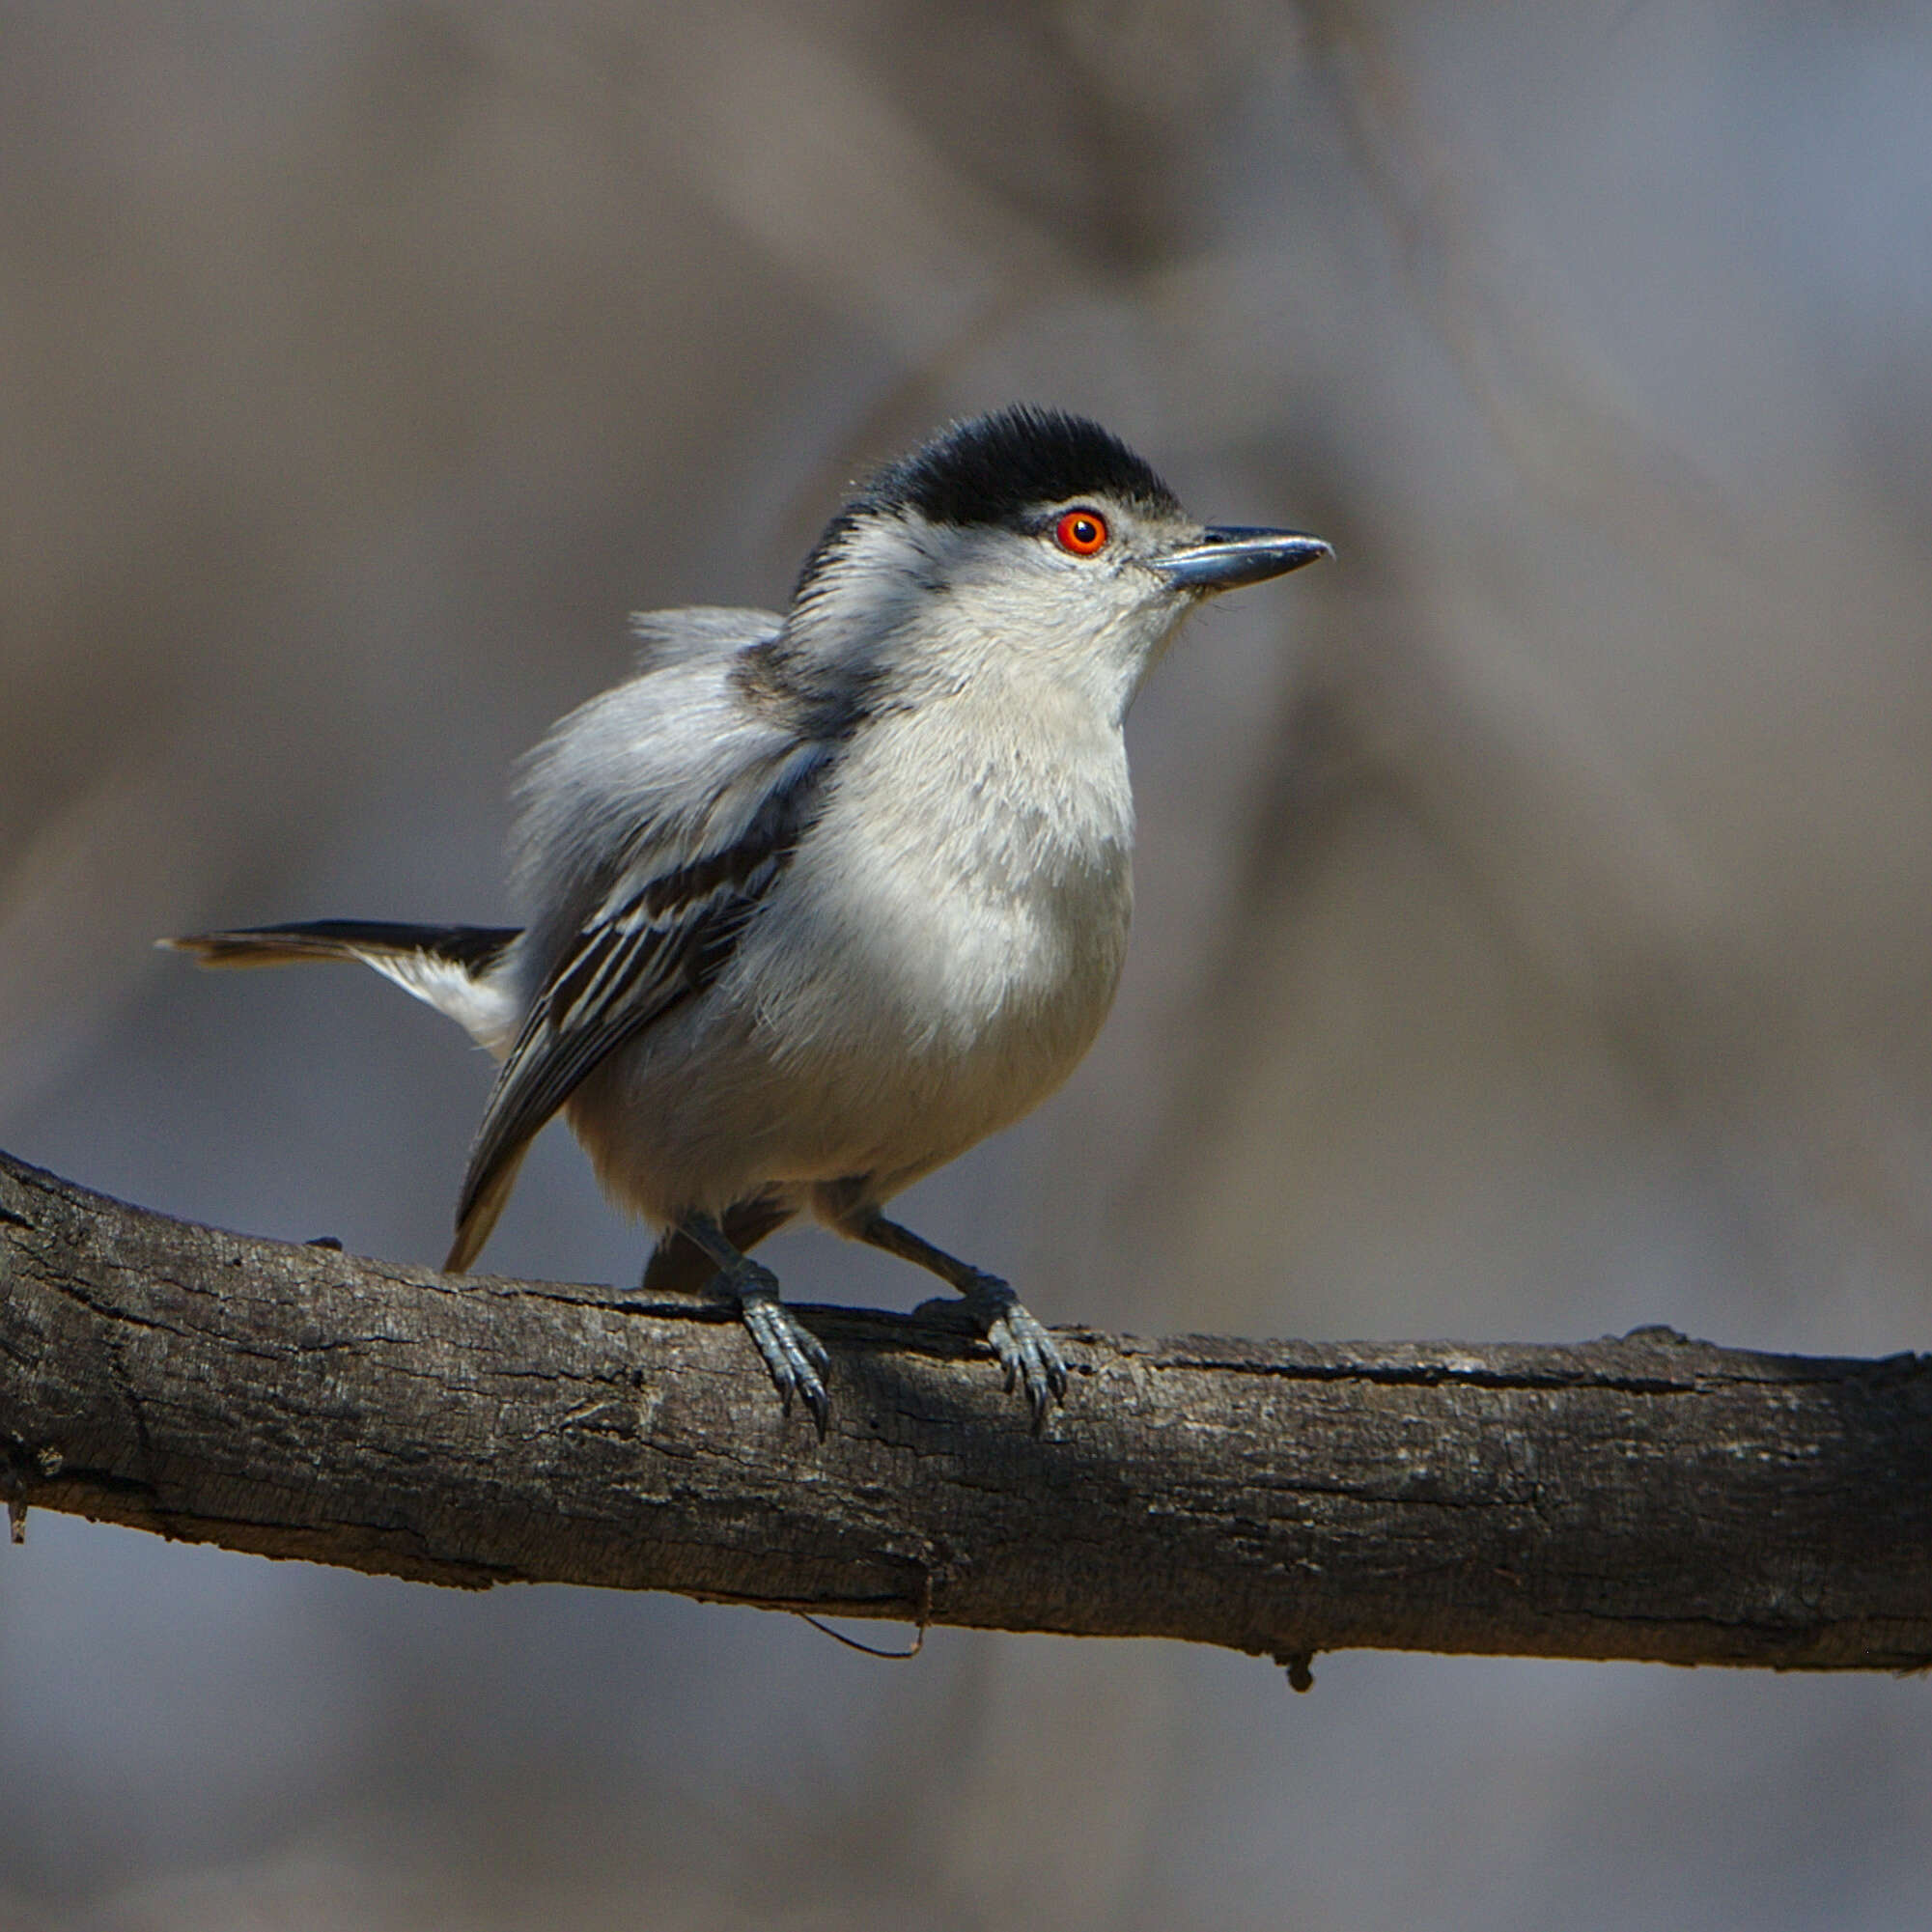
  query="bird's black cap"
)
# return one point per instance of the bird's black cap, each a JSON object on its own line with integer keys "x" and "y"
{"x": 995, "y": 468}
{"x": 998, "y": 470}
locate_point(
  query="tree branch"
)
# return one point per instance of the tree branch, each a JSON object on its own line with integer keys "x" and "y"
{"x": 1643, "y": 1497}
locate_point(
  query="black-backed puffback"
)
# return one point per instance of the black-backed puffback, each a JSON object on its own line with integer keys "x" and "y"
{"x": 816, "y": 900}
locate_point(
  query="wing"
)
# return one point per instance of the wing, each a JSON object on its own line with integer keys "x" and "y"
{"x": 659, "y": 933}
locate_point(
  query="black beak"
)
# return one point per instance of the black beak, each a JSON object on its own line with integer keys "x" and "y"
{"x": 1225, "y": 559}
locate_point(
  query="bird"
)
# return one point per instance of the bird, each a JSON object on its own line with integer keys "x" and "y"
{"x": 816, "y": 900}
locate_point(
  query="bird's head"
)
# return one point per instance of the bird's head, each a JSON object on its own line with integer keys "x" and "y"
{"x": 1023, "y": 540}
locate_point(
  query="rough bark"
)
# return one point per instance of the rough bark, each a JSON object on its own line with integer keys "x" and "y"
{"x": 1646, "y": 1496}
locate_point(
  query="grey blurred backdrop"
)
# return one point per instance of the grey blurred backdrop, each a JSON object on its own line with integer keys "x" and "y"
{"x": 1535, "y": 906}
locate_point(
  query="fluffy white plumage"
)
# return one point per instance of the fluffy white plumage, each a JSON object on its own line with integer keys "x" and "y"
{"x": 817, "y": 901}
{"x": 930, "y": 965}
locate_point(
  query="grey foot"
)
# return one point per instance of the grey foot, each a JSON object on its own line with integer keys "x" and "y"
{"x": 795, "y": 1357}
{"x": 1026, "y": 1351}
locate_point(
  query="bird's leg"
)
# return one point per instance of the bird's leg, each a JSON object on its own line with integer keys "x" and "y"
{"x": 679, "y": 1266}
{"x": 796, "y": 1357}
{"x": 1025, "y": 1349}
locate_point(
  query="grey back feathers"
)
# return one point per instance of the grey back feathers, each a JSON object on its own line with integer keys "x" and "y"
{"x": 666, "y": 637}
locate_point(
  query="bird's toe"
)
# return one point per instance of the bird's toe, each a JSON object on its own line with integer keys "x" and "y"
{"x": 1028, "y": 1353}
{"x": 794, "y": 1356}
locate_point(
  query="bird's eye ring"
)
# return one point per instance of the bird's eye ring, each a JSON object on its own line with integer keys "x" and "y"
{"x": 1082, "y": 533}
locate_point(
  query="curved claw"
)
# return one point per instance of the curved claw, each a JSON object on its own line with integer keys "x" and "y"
{"x": 795, "y": 1357}
{"x": 1026, "y": 1351}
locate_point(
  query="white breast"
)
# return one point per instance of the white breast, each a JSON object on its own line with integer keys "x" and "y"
{"x": 945, "y": 947}
{"x": 934, "y": 963}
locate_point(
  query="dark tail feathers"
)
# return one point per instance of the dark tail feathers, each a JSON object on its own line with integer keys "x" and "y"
{"x": 472, "y": 948}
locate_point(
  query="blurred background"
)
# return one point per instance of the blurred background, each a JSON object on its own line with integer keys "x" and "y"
{"x": 1534, "y": 912}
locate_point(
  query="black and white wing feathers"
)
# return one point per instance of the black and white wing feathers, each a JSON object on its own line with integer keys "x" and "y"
{"x": 660, "y": 933}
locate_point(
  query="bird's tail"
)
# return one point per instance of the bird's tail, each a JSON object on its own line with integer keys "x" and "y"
{"x": 458, "y": 969}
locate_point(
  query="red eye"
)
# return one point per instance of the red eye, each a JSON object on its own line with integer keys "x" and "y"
{"x": 1081, "y": 531}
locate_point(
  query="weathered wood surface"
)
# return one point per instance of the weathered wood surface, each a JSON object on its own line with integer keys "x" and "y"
{"x": 1642, "y": 1498}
